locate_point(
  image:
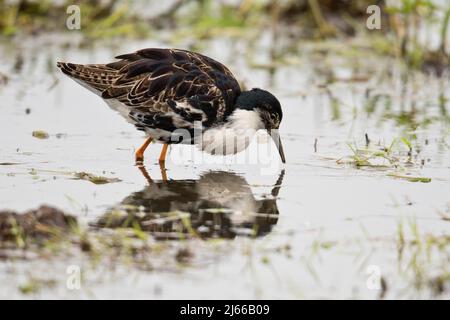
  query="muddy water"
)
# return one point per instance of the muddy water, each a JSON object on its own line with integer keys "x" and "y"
{"x": 315, "y": 227}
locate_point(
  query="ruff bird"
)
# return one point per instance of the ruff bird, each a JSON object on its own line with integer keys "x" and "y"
{"x": 179, "y": 96}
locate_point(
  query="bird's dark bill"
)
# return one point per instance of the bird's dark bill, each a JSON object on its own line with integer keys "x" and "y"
{"x": 277, "y": 139}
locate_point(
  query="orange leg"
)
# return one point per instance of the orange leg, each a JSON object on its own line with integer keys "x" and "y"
{"x": 163, "y": 171}
{"x": 140, "y": 152}
{"x": 162, "y": 161}
{"x": 162, "y": 156}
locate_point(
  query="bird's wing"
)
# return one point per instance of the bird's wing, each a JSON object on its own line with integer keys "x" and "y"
{"x": 163, "y": 86}
{"x": 161, "y": 81}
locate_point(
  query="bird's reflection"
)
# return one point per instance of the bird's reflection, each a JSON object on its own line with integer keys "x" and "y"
{"x": 217, "y": 205}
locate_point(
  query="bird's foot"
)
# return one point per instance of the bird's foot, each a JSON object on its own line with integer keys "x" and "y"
{"x": 139, "y": 161}
{"x": 139, "y": 154}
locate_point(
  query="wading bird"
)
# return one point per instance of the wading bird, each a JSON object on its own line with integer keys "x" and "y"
{"x": 171, "y": 94}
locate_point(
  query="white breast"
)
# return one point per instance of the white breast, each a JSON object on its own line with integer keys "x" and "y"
{"x": 233, "y": 136}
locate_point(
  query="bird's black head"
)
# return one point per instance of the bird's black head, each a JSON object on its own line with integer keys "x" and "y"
{"x": 263, "y": 102}
{"x": 267, "y": 108}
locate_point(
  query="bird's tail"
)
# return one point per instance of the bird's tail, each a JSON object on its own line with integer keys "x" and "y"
{"x": 95, "y": 77}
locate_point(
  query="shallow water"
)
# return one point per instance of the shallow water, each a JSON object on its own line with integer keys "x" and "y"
{"x": 312, "y": 228}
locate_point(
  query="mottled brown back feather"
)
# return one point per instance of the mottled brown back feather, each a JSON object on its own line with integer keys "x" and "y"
{"x": 151, "y": 78}
{"x": 96, "y": 76}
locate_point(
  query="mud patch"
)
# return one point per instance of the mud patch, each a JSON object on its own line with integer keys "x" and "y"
{"x": 34, "y": 225}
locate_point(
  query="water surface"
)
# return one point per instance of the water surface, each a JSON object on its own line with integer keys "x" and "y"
{"x": 315, "y": 227}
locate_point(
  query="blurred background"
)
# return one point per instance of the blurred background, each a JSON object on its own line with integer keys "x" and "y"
{"x": 412, "y": 30}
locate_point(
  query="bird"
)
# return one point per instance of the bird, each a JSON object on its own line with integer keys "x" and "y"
{"x": 180, "y": 96}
